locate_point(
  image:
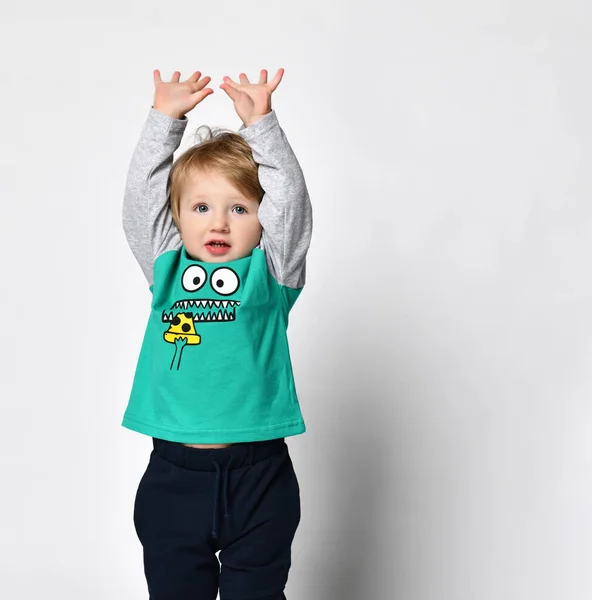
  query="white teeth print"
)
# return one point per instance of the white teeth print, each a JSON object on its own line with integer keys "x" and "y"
{"x": 226, "y": 312}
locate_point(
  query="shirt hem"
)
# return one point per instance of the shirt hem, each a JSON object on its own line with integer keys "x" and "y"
{"x": 226, "y": 436}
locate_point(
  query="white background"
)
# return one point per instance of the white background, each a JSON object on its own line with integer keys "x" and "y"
{"x": 441, "y": 347}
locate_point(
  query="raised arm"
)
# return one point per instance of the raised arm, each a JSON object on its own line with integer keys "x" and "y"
{"x": 147, "y": 220}
{"x": 285, "y": 212}
{"x": 146, "y": 215}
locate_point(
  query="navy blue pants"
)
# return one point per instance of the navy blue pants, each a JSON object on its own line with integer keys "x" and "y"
{"x": 243, "y": 500}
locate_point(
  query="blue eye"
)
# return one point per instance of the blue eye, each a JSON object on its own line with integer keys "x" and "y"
{"x": 204, "y": 206}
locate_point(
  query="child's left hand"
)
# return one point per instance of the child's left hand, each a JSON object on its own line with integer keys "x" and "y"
{"x": 252, "y": 101}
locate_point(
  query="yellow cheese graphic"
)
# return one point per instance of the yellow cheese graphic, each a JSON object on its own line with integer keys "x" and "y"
{"x": 182, "y": 327}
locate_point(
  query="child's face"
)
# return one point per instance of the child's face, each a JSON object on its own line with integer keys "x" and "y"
{"x": 211, "y": 208}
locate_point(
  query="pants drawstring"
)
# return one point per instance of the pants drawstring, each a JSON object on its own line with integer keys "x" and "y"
{"x": 224, "y": 496}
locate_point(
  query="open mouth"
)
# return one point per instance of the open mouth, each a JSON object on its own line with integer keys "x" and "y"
{"x": 220, "y": 310}
{"x": 218, "y": 248}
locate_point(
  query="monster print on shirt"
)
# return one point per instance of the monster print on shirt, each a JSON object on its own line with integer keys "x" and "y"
{"x": 185, "y": 315}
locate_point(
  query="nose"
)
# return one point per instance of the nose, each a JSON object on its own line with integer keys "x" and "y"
{"x": 219, "y": 221}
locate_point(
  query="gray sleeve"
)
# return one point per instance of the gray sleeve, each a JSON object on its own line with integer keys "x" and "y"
{"x": 147, "y": 219}
{"x": 285, "y": 212}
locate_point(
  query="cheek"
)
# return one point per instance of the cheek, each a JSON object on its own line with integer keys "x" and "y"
{"x": 253, "y": 226}
{"x": 191, "y": 219}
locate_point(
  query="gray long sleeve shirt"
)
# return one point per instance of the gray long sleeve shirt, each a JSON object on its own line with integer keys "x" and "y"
{"x": 285, "y": 212}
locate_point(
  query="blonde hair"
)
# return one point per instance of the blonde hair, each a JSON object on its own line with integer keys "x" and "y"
{"x": 224, "y": 152}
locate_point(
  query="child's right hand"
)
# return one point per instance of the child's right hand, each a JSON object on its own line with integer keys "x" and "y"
{"x": 175, "y": 98}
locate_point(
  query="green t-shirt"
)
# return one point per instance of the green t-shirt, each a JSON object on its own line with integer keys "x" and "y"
{"x": 215, "y": 366}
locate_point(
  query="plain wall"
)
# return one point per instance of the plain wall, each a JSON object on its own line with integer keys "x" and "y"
{"x": 441, "y": 347}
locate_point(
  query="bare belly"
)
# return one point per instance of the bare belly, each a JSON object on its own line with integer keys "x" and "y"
{"x": 208, "y": 445}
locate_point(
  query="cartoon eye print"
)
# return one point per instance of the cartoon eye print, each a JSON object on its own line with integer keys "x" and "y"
{"x": 194, "y": 278}
{"x": 224, "y": 281}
